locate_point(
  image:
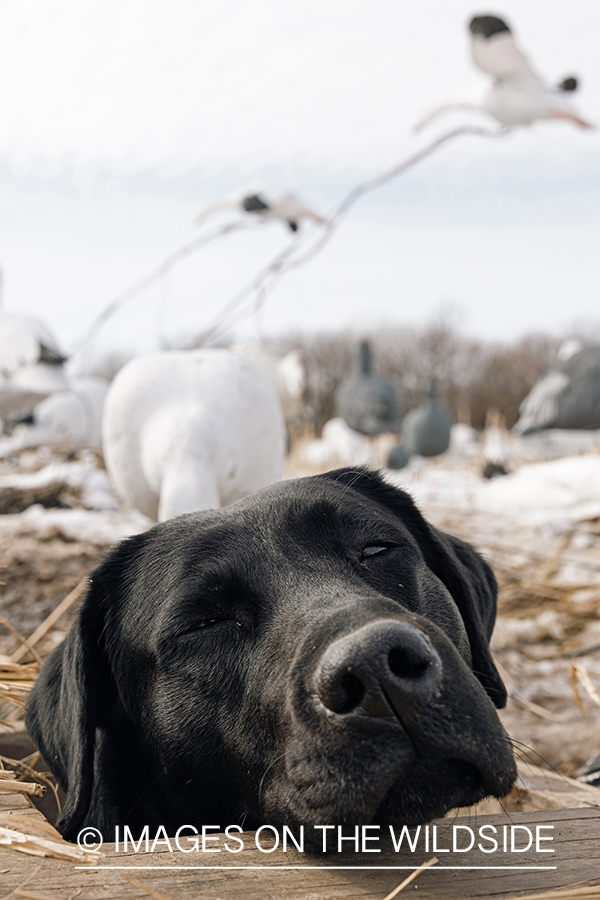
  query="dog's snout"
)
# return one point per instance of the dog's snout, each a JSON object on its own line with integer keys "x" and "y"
{"x": 377, "y": 670}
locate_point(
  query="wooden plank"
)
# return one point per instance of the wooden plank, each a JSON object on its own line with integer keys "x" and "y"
{"x": 576, "y": 859}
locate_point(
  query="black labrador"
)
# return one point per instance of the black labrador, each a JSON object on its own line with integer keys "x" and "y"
{"x": 315, "y": 654}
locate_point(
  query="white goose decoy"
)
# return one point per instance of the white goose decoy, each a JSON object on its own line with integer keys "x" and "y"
{"x": 31, "y": 364}
{"x": 189, "y": 430}
{"x": 518, "y": 95}
{"x": 67, "y": 421}
{"x": 267, "y": 203}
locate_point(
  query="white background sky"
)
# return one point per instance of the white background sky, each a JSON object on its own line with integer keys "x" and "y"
{"x": 119, "y": 120}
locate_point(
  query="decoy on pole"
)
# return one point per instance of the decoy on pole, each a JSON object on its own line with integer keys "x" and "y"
{"x": 517, "y": 95}
{"x": 567, "y": 397}
{"x": 426, "y": 429}
{"x": 367, "y": 403}
{"x": 494, "y": 444}
{"x": 265, "y": 203}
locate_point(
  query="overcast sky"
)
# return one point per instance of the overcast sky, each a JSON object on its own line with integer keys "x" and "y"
{"x": 119, "y": 120}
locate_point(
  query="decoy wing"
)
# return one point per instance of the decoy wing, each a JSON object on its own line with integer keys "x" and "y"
{"x": 254, "y": 203}
{"x": 495, "y": 52}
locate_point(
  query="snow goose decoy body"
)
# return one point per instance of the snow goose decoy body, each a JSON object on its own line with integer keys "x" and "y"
{"x": 518, "y": 95}
{"x": 567, "y": 397}
{"x": 266, "y": 203}
{"x": 368, "y": 404}
{"x": 31, "y": 364}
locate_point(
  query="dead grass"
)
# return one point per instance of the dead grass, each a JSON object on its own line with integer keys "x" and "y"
{"x": 411, "y": 877}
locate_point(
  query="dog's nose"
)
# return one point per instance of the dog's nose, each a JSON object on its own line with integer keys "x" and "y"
{"x": 378, "y": 669}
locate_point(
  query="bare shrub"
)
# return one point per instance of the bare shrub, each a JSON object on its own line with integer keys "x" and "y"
{"x": 507, "y": 374}
{"x": 473, "y": 375}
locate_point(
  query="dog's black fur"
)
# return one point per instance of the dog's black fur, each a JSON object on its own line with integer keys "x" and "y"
{"x": 316, "y": 653}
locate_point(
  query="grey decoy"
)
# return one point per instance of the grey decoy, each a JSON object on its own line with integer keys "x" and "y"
{"x": 426, "y": 429}
{"x": 398, "y": 457}
{"x": 367, "y": 403}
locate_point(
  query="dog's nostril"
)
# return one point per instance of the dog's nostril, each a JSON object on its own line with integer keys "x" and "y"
{"x": 343, "y": 694}
{"x": 406, "y": 664}
{"x": 352, "y": 690}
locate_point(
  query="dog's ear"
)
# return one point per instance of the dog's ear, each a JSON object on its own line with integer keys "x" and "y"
{"x": 467, "y": 576}
{"x": 63, "y": 705}
{"x": 474, "y": 590}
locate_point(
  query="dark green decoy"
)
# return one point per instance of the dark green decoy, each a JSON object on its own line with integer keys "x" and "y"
{"x": 367, "y": 403}
{"x": 426, "y": 429}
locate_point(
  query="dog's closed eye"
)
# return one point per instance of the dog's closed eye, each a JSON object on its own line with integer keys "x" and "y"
{"x": 190, "y": 628}
{"x": 206, "y": 623}
{"x": 374, "y": 550}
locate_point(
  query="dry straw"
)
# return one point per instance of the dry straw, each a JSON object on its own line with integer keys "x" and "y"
{"x": 411, "y": 877}
{"x": 34, "y": 836}
{"x": 144, "y": 887}
{"x": 579, "y": 674}
{"x": 34, "y": 845}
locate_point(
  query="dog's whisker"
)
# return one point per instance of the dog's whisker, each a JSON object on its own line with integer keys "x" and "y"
{"x": 521, "y": 744}
{"x": 504, "y": 809}
{"x": 262, "y": 780}
{"x": 548, "y": 764}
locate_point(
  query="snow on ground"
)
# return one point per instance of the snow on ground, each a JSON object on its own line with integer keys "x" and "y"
{"x": 570, "y": 486}
{"x": 96, "y": 492}
{"x": 555, "y": 493}
{"x": 100, "y": 527}
{"x": 100, "y": 517}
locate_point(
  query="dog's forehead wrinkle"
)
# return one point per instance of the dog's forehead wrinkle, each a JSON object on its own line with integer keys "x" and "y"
{"x": 299, "y": 494}
{"x": 321, "y": 527}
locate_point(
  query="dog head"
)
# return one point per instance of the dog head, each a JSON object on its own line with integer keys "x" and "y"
{"x": 316, "y": 653}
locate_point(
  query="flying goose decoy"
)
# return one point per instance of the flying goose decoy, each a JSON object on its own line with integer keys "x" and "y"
{"x": 517, "y": 95}
{"x": 266, "y": 203}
